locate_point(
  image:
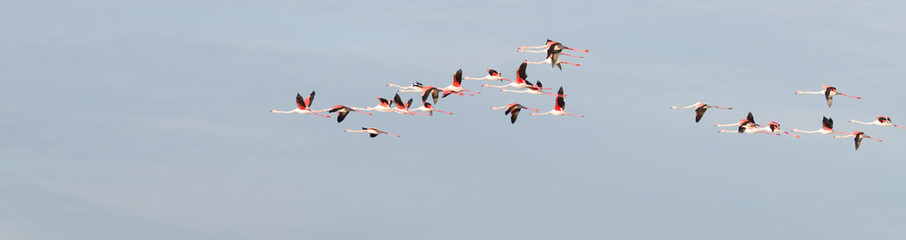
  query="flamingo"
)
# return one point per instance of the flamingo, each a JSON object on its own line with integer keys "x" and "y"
{"x": 774, "y": 127}
{"x": 749, "y": 121}
{"x": 302, "y": 106}
{"x": 513, "y": 104}
{"x": 425, "y": 92}
{"x": 414, "y": 86}
{"x": 744, "y": 123}
{"x": 553, "y": 58}
{"x": 829, "y": 93}
{"x": 383, "y": 106}
{"x": 552, "y": 48}
{"x": 881, "y": 121}
{"x": 532, "y": 89}
{"x": 827, "y": 127}
{"x": 493, "y": 75}
{"x": 545, "y": 51}
{"x": 700, "y": 109}
{"x": 559, "y": 106}
{"x": 426, "y": 107}
{"x": 513, "y": 110}
{"x": 750, "y": 130}
{"x": 342, "y": 111}
{"x": 373, "y": 132}
{"x": 520, "y": 79}
{"x": 546, "y": 45}
{"x": 857, "y": 136}
{"x": 455, "y": 87}
{"x": 403, "y": 108}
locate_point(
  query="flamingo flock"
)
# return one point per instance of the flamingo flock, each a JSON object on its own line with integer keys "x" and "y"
{"x": 521, "y": 84}
{"x": 748, "y": 125}
{"x": 553, "y": 50}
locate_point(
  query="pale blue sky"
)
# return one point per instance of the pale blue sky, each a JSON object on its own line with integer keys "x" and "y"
{"x": 149, "y": 120}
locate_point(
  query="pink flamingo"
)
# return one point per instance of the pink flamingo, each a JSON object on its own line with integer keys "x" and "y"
{"x": 514, "y": 104}
{"x": 748, "y": 129}
{"x": 883, "y": 121}
{"x": 383, "y": 106}
{"x": 455, "y": 87}
{"x": 532, "y": 89}
{"x": 403, "y": 108}
{"x": 553, "y": 51}
{"x": 519, "y": 82}
{"x": 857, "y": 136}
{"x": 414, "y": 86}
{"x": 774, "y": 127}
{"x": 342, "y": 111}
{"x": 545, "y": 46}
{"x": 827, "y": 127}
{"x": 302, "y": 106}
{"x": 493, "y": 75}
{"x": 373, "y": 132}
{"x": 700, "y": 109}
{"x": 426, "y": 107}
{"x": 553, "y": 58}
{"x": 743, "y": 124}
{"x": 559, "y": 106}
{"x": 513, "y": 110}
{"x": 426, "y": 91}
{"x": 829, "y": 93}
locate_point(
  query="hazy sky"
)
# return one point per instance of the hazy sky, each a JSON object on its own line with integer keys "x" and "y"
{"x": 149, "y": 120}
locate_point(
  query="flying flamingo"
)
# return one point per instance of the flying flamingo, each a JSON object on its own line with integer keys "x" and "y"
{"x": 749, "y": 121}
{"x": 532, "y": 89}
{"x": 455, "y": 87}
{"x": 414, "y": 86}
{"x": 383, "y": 106}
{"x": 425, "y": 92}
{"x": 559, "y": 106}
{"x": 403, "y": 108}
{"x": 749, "y": 129}
{"x": 829, "y": 93}
{"x": 373, "y": 132}
{"x": 342, "y": 111}
{"x": 700, "y": 109}
{"x": 426, "y": 107}
{"x": 546, "y": 45}
{"x": 520, "y": 79}
{"x": 513, "y": 110}
{"x": 493, "y": 75}
{"x": 553, "y": 53}
{"x": 774, "y": 127}
{"x": 555, "y": 48}
{"x": 881, "y": 121}
{"x": 553, "y": 58}
{"x": 545, "y": 51}
{"x": 857, "y": 136}
{"x": 743, "y": 124}
{"x": 513, "y": 104}
{"x": 302, "y": 106}
{"x": 827, "y": 127}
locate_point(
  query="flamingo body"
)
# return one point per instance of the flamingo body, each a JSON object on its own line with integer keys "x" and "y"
{"x": 372, "y": 132}
{"x": 700, "y": 109}
{"x": 303, "y": 105}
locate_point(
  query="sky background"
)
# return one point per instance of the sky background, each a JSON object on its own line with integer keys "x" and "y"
{"x": 149, "y": 120}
